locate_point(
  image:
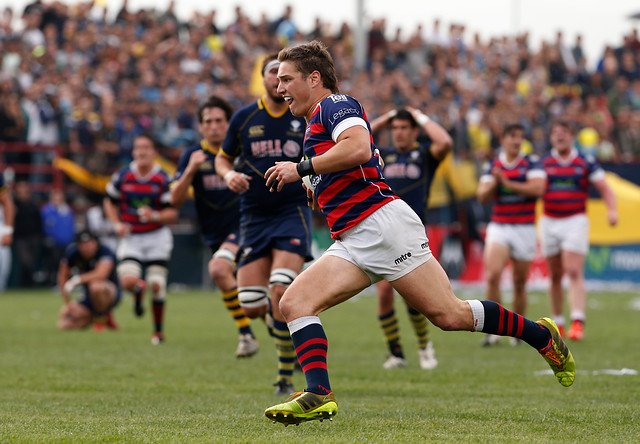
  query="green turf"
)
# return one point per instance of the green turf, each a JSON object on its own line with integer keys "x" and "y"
{"x": 115, "y": 386}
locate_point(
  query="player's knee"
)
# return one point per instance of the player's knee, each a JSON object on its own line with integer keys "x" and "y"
{"x": 156, "y": 277}
{"x": 253, "y": 300}
{"x": 493, "y": 277}
{"x": 220, "y": 270}
{"x": 573, "y": 273}
{"x": 289, "y": 306}
{"x": 95, "y": 287}
{"x": 222, "y": 264}
{"x": 129, "y": 271}
{"x": 519, "y": 283}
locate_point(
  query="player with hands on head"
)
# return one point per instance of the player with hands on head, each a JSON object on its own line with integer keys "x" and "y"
{"x": 409, "y": 168}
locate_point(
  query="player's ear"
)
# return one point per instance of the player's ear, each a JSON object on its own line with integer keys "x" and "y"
{"x": 315, "y": 78}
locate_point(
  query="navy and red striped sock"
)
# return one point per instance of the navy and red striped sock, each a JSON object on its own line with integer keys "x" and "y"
{"x": 311, "y": 345}
{"x": 497, "y": 320}
{"x": 158, "y": 314}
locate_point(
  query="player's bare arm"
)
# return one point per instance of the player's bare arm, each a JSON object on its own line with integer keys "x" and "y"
{"x": 609, "y": 199}
{"x": 164, "y": 216}
{"x": 382, "y": 121}
{"x": 113, "y": 215}
{"x": 63, "y": 275}
{"x": 487, "y": 190}
{"x": 9, "y": 210}
{"x": 441, "y": 140}
{"x": 236, "y": 181}
{"x": 533, "y": 187}
{"x": 180, "y": 188}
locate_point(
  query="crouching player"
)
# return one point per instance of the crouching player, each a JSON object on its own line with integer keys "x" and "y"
{"x": 91, "y": 265}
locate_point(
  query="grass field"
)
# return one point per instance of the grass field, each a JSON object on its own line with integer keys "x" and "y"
{"x": 115, "y": 386}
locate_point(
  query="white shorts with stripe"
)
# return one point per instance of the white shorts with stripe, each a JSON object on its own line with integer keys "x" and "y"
{"x": 387, "y": 245}
{"x": 564, "y": 233}
{"x": 519, "y": 238}
{"x": 146, "y": 247}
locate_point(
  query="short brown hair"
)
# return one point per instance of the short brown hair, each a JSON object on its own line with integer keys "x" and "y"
{"x": 512, "y": 127}
{"x": 564, "y": 123}
{"x": 310, "y": 57}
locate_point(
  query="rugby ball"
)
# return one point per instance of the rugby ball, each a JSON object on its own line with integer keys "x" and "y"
{"x": 306, "y": 180}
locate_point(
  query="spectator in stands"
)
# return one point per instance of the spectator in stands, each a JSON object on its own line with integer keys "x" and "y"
{"x": 7, "y": 215}
{"x": 27, "y": 236}
{"x": 629, "y": 139}
{"x": 13, "y": 121}
{"x": 58, "y": 226}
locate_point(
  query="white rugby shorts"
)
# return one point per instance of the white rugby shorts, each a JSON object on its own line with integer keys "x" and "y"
{"x": 519, "y": 238}
{"x": 564, "y": 233}
{"x": 145, "y": 247}
{"x": 386, "y": 245}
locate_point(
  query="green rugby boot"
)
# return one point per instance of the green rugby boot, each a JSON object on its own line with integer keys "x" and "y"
{"x": 557, "y": 354}
{"x": 303, "y": 406}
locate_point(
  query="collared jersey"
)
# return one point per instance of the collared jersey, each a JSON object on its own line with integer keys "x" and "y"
{"x": 130, "y": 191}
{"x": 79, "y": 265}
{"x": 257, "y": 139}
{"x": 510, "y": 207}
{"x": 217, "y": 207}
{"x": 410, "y": 174}
{"x": 568, "y": 182}
{"x": 349, "y": 196}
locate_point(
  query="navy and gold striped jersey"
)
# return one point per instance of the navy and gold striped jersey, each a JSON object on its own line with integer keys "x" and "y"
{"x": 257, "y": 139}
{"x": 410, "y": 174}
{"x": 217, "y": 207}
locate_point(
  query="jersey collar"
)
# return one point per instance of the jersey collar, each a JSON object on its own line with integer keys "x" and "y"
{"x": 262, "y": 104}
{"x": 503, "y": 159}
{"x": 566, "y": 160}
{"x": 206, "y": 147}
{"x": 133, "y": 166}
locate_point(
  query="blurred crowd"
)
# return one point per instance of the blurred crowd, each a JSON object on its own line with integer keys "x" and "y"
{"x": 71, "y": 75}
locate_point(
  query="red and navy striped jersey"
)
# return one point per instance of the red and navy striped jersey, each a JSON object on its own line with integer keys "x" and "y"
{"x": 410, "y": 174}
{"x": 568, "y": 183}
{"x": 132, "y": 191}
{"x": 349, "y": 196}
{"x": 510, "y": 207}
{"x": 217, "y": 207}
{"x": 257, "y": 139}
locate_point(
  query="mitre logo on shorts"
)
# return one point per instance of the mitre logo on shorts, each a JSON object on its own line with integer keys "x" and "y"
{"x": 295, "y": 241}
{"x": 403, "y": 257}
